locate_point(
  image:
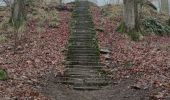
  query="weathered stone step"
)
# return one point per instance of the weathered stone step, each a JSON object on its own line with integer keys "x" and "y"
{"x": 95, "y": 63}
{"x": 84, "y": 31}
{"x": 79, "y": 51}
{"x": 83, "y": 50}
{"x": 85, "y": 66}
{"x": 82, "y": 21}
{"x": 82, "y": 60}
{"x": 86, "y": 87}
{"x": 82, "y": 28}
{"x": 82, "y": 36}
{"x": 74, "y": 42}
{"x": 82, "y": 15}
{"x": 82, "y": 39}
{"x": 81, "y": 43}
{"x": 80, "y": 46}
{"x": 84, "y": 81}
{"x": 83, "y": 57}
{"x": 73, "y": 54}
{"x": 78, "y": 54}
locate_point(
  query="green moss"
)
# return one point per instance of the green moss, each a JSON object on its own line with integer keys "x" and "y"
{"x": 135, "y": 36}
{"x": 3, "y": 75}
{"x": 3, "y": 38}
{"x": 121, "y": 28}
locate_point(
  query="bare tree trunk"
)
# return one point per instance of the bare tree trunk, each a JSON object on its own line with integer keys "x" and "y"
{"x": 17, "y": 18}
{"x": 164, "y": 6}
{"x": 130, "y": 14}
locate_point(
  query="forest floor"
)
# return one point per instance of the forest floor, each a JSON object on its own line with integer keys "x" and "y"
{"x": 140, "y": 70}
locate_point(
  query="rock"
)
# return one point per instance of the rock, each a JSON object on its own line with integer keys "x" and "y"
{"x": 20, "y": 48}
{"x": 104, "y": 51}
{"x": 100, "y": 29}
{"x": 107, "y": 57}
{"x": 158, "y": 96}
{"x": 136, "y": 87}
{"x": 9, "y": 48}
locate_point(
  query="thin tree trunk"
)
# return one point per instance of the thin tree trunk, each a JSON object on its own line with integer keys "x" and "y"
{"x": 164, "y": 6}
{"x": 130, "y": 14}
{"x": 17, "y": 18}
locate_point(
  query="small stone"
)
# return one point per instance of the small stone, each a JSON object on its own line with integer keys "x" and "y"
{"x": 104, "y": 51}
{"x": 107, "y": 57}
{"x": 9, "y": 48}
{"x": 37, "y": 60}
{"x": 19, "y": 48}
{"x": 136, "y": 87}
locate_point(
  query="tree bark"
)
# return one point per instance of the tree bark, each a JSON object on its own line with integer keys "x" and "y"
{"x": 130, "y": 14}
{"x": 164, "y": 6}
{"x": 17, "y": 18}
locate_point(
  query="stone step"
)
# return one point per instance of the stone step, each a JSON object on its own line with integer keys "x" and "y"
{"x": 82, "y": 28}
{"x": 83, "y": 69}
{"x": 82, "y": 57}
{"x": 94, "y": 63}
{"x": 84, "y": 52}
{"x": 82, "y": 39}
{"x": 80, "y": 46}
{"x": 89, "y": 88}
{"x": 84, "y": 81}
{"x": 83, "y": 36}
{"x": 78, "y": 55}
{"x": 84, "y": 31}
{"x": 85, "y": 66}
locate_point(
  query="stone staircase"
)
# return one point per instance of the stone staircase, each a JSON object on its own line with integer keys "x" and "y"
{"x": 83, "y": 68}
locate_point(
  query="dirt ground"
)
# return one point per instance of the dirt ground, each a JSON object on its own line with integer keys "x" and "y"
{"x": 119, "y": 90}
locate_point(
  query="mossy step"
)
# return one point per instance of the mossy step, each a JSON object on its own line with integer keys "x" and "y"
{"x": 82, "y": 73}
{"x": 82, "y": 36}
{"x": 78, "y": 15}
{"x": 92, "y": 31}
{"x": 93, "y": 63}
{"x": 82, "y": 21}
{"x": 83, "y": 60}
{"x": 86, "y": 88}
{"x": 80, "y": 76}
{"x": 82, "y": 50}
{"x": 85, "y": 52}
{"x": 82, "y": 39}
{"x": 78, "y": 55}
{"x": 76, "y": 42}
{"x": 85, "y": 66}
{"x": 82, "y": 25}
{"x": 81, "y": 43}
{"x": 84, "y": 33}
{"x": 84, "y": 69}
{"x": 82, "y": 18}
{"x": 83, "y": 57}
{"x": 82, "y": 28}
{"x": 80, "y": 46}
{"x": 84, "y": 81}
{"x": 82, "y": 54}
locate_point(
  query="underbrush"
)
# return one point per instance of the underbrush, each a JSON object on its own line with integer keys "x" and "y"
{"x": 40, "y": 13}
{"x": 44, "y": 15}
{"x": 151, "y": 21}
